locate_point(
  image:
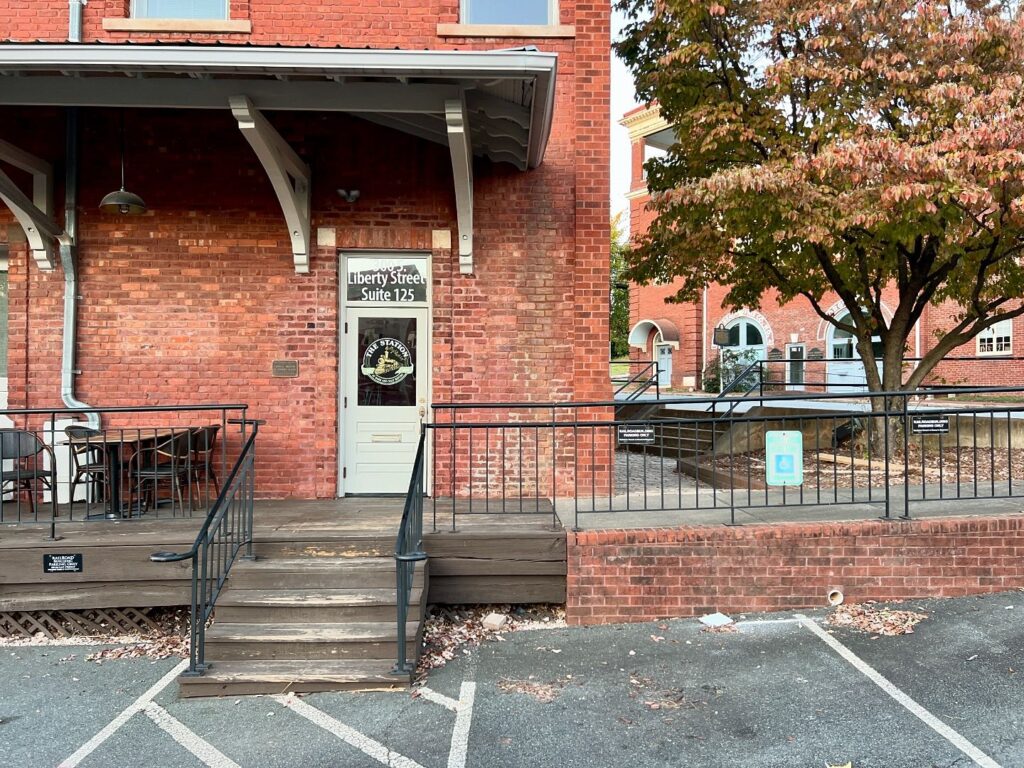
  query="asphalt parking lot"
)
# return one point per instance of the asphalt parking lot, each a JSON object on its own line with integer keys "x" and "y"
{"x": 780, "y": 691}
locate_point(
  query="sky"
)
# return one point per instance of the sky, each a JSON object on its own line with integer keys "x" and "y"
{"x": 623, "y": 98}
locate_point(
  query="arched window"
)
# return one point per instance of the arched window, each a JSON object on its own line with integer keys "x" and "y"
{"x": 844, "y": 343}
{"x": 746, "y": 338}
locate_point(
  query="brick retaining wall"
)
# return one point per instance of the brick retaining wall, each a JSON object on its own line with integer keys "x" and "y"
{"x": 645, "y": 574}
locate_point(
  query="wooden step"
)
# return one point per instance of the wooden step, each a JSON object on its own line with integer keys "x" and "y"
{"x": 317, "y": 573}
{"x": 325, "y": 544}
{"x": 270, "y": 606}
{"x": 234, "y": 678}
{"x": 230, "y": 641}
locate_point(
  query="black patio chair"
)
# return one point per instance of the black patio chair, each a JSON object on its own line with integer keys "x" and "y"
{"x": 204, "y": 440}
{"x": 27, "y": 470}
{"x": 164, "y": 459}
{"x": 90, "y": 462}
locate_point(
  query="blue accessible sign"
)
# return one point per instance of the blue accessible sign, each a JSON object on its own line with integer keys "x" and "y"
{"x": 784, "y": 457}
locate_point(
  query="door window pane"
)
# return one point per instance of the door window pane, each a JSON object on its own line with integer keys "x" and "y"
{"x": 387, "y": 361}
{"x": 506, "y": 12}
{"x": 180, "y": 9}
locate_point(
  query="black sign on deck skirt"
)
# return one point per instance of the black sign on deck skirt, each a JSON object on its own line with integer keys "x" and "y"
{"x": 929, "y": 425}
{"x": 636, "y": 434}
{"x": 70, "y": 563}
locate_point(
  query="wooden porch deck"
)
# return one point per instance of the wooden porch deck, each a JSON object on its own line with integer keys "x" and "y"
{"x": 514, "y": 558}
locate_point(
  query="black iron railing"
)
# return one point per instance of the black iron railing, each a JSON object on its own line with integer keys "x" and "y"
{"x": 409, "y": 551}
{"x": 637, "y": 379}
{"x": 114, "y": 463}
{"x": 889, "y": 451}
{"x": 823, "y": 374}
{"x": 226, "y": 532}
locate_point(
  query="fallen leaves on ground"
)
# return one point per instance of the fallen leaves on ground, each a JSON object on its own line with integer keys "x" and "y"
{"x": 725, "y": 629}
{"x": 452, "y": 630}
{"x": 542, "y": 692}
{"x": 170, "y": 639}
{"x": 875, "y": 619}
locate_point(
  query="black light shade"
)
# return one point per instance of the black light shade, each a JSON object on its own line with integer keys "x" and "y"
{"x": 123, "y": 202}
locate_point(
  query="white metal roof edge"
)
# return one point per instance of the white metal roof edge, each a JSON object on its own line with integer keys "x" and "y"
{"x": 199, "y": 58}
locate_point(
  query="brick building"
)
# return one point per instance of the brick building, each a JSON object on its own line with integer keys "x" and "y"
{"x": 680, "y": 335}
{"x": 352, "y": 210}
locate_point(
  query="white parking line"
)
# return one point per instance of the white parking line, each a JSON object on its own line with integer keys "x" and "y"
{"x": 351, "y": 736}
{"x": 953, "y": 737}
{"x": 764, "y": 622}
{"x": 111, "y": 728}
{"x": 439, "y": 698}
{"x": 463, "y": 719}
{"x": 194, "y": 743}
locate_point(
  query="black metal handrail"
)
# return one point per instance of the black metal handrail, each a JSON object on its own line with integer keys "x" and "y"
{"x": 643, "y": 379}
{"x": 727, "y": 388}
{"x": 758, "y": 385}
{"x": 409, "y": 551}
{"x": 226, "y": 530}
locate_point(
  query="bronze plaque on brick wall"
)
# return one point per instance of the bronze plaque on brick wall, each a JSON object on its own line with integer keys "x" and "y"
{"x": 284, "y": 369}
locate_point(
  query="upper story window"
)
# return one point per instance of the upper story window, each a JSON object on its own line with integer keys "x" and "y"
{"x": 996, "y": 339}
{"x": 180, "y": 9}
{"x": 539, "y": 12}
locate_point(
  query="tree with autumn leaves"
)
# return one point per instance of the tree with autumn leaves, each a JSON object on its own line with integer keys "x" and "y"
{"x": 839, "y": 146}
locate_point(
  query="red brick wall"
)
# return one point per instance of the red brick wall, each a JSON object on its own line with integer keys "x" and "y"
{"x": 346, "y": 23}
{"x": 640, "y": 575}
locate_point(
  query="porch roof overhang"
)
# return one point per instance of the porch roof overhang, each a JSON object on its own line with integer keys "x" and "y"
{"x": 640, "y": 332}
{"x": 492, "y": 104}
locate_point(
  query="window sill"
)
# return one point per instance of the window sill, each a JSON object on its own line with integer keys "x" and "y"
{"x": 995, "y": 354}
{"x": 177, "y": 25}
{"x": 505, "y": 30}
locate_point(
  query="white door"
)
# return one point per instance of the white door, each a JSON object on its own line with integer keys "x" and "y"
{"x": 664, "y": 366}
{"x": 386, "y": 376}
{"x": 795, "y": 366}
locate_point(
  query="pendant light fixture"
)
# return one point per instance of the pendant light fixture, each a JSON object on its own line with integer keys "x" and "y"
{"x": 122, "y": 201}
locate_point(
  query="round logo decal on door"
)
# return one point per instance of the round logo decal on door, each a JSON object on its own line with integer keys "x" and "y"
{"x": 387, "y": 361}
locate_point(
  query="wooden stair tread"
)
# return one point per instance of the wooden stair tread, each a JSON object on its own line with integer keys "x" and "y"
{"x": 305, "y": 632}
{"x": 308, "y": 564}
{"x": 313, "y": 597}
{"x": 303, "y": 670}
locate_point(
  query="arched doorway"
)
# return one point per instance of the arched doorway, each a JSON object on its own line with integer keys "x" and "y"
{"x": 664, "y": 338}
{"x": 663, "y": 357}
{"x": 746, "y": 339}
{"x": 846, "y": 372}
{"x": 746, "y": 345}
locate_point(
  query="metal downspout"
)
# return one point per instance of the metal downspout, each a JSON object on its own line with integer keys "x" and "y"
{"x": 75, "y": 20}
{"x": 68, "y": 249}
